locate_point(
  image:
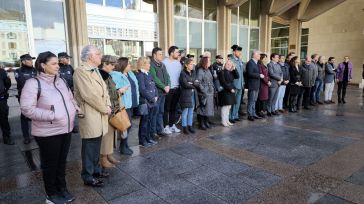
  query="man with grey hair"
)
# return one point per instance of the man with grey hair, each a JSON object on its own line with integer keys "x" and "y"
{"x": 92, "y": 96}
{"x": 254, "y": 77}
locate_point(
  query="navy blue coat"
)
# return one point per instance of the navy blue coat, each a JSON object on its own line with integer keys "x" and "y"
{"x": 252, "y": 70}
{"x": 147, "y": 88}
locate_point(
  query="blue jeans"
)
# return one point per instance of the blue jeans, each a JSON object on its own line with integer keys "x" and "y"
{"x": 252, "y": 99}
{"x": 157, "y": 116}
{"x": 319, "y": 85}
{"x": 187, "y": 114}
{"x": 280, "y": 96}
{"x": 234, "y": 112}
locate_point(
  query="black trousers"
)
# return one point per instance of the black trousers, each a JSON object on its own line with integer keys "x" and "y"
{"x": 286, "y": 96}
{"x": 24, "y": 122}
{"x": 53, "y": 155}
{"x": 304, "y": 97}
{"x": 4, "y": 121}
{"x": 170, "y": 106}
{"x": 90, "y": 154}
{"x": 144, "y": 127}
{"x": 341, "y": 89}
{"x": 261, "y": 106}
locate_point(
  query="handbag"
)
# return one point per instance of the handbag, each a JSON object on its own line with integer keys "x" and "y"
{"x": 120, "y": 119}
{"x": 143, "y": 109}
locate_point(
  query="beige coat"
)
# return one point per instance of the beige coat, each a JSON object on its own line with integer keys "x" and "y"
{"x": 92, "y": 96}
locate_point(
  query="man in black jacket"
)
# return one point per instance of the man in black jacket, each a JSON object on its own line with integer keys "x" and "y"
{"x": 254, "y": 77}
{"x": 5, "y": 84}
{"x": 25, "y": 72}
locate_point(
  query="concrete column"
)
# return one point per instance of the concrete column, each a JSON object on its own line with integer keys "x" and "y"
{"x": 294, "y": 42}
{"x": 223, "y": 29}
{"x": 77, "y": 28}
{"x": 166, "y": 23}
{"x": 265, "y": 33}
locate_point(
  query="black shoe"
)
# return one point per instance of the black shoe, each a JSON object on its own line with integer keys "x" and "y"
{"x": 185, "y": 130}
{"x": 207, "y": 124}
{"x": 67, "y": 195}
{"x": 94, "y": 183}
{"x": 319, "y": 102}
{"x": 312, "y": 104}
{"x": 56, "y": 199}
{"x": 343, "y": 101}
{"x": 257, "y": 117}
{"x": 332, "y": 102}
{"x": 123, "y": 149}
{"x": 339, "y": 101}
{"x": 103, "y": 174}
{"x": 269, "y": 114}
{"x": 275, "y": 113}
{"x": 26, "y": 140}
{"x": 191, "y": 130}
{"x": 306, "y": 108}
{"x": 251, "y": 118}
{"x": 237, "y": 119}
{"x": 8, "y": 140}
{"x": 145, "y": 144}
{"x": 232, "y": 121}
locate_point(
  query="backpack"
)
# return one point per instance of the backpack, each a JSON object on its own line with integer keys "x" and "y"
{"x": 40, "y": 87}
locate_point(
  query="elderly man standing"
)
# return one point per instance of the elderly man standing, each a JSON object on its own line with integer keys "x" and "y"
{"x": 276, "y": 77}
{"x": 92, "y": 96}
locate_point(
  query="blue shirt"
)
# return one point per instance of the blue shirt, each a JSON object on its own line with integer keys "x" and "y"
{"x": 121, "y": 80}
{"x": 174, "y": 69}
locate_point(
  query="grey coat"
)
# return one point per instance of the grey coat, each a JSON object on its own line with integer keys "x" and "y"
{"x": 205, "y": 92}
{"x": 308, "y": 76}
{"x": 321, "y": 71}
{"x": 314, "y": 66}
{"x": 275, "y": 74}
{"x": 330, "y": 73}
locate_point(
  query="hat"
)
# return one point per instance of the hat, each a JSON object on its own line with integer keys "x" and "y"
{"x": 63, "y": 55}
{"x": 229, "y": 56}
{"x": 236, "y": 47}
{"x": 26, "y": 57}
{"x": 219, "y": 57}
{"x": 190, "y": 56}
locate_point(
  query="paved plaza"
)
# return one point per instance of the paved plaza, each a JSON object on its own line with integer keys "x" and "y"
{"x": 314, "y": 156}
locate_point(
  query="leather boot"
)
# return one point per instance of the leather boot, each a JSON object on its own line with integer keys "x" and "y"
{"x": 123, "y": 148}
{"x": 105, "y": 162}
{"x": 206, "y": 122}
{"x": 112, "y": 159}
{"x": 201, "y": 122}
{"x": 191, "y": 130}
{"x": 185, "y": 131}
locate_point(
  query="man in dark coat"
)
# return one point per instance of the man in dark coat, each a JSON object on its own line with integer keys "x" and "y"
{"x": 5, "y": 84}
{"x": 308, "y": 80}
{"x": 254, "y": 77}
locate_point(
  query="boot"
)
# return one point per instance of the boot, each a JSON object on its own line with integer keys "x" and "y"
{"x": 123, "y": 149}
{"x": 191, "y": 130}
{"x": 201, "y": 122}
{"x": 127, "y": 146}
{"x": 112, "y": 159}
{"x": 105, "y": 162}
{"x": 185, "y": 131}
{"x": 8, "y": 140}
{"x": 206, "y": 122}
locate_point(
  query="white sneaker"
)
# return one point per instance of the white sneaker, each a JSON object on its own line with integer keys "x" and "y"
{"x": 167, "y": 130}
{"x": 175, "y": 129}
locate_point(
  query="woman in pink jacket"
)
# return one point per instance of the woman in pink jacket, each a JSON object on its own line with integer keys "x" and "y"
{"x": 48, "y": 102}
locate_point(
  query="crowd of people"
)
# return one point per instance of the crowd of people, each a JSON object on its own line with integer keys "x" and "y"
{"x": 52, "y": 94}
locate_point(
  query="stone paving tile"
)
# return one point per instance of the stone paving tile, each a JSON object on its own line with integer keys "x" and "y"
{"x": 138, "y": 197}
{"x": 357, "y": 177}
{"x": 258, "y": 178}
{"x": 350, "y": 192}
{"x": 200, "y": 197}
{"x": 330, "y": 199}
{"x": 31, "y": 194}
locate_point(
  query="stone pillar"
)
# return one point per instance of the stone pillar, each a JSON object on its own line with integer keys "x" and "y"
{"x": 166, "y": 24}
{"x": 77, "y": 28}
{"x": 223, "y": 29}
{"x": 265, "y": 33}
{"x": 294, "y": 42}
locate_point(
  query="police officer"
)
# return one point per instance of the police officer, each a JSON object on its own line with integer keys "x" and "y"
{"x": 25, "y": 72}
{"x": 66, "y": 71}
{"x": 5, "y": 84}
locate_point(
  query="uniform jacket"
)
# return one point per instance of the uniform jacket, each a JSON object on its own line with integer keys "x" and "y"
{"x": 55, "y": 110}
{"x": 240, "y": 68}
{"x": 66, "y": 71}
{"x": 92, "y": 96}
{"x": 5, "y": 84}
{"x": 22, "y": 75}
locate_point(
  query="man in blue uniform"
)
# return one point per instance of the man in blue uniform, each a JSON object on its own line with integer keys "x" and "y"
{"x": 5, "y": 84}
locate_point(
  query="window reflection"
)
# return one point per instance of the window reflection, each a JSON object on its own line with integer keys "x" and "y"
{"x": 180, "y": 8}
{"x": 115, "y": 3}
{"x": 95, "y": 1}
{"x": 195, "y": 9}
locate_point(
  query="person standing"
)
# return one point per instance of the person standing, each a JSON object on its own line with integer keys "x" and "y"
{"x": 25, "y": 72}
{"x": 329, "y": 80}
{"x": 319, "y": 83}
{"x": 308, "y": 80}
{"x": 5, "y": 84}
{"x": 163, "y": 83}
{"x": 127, "y": 85}
{"x": 107, "y": 65}
{"x": 238, "y": 83}
{"x": 227, "y": 95}
{"x": 283, "y": 87}
{"x": 344, "y": 76}
{"x": 254, "y": 77}
{"x": 276, "y": 78}
{"x": 49, "y": 103}
{"x": 148, "y": 98}
{"x": 217, "y": 67}
{"x": 206, "y": 94}
{"x": 286, "y": 94}
{"x": 264, "y": 86}
{"x": 296, "y": 84}
{"x": 188, "y": 100}
{"x": 92, "y": 95}
{"x": 314, "y": 66}
{"x": 174, "y": 69}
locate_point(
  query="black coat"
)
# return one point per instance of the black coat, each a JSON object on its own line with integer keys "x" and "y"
{"x": 188, "y": 85}
{"x": 226, "y": 77}
{"x": 253, "y": 73}
{"x": 295, "y": 76}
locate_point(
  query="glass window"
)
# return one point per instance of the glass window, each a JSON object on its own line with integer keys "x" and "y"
{"x": 210, "y": 35}
{"x": 149, "y": 5}
{"x": 129, "y": 49}
{"x": 99, "y": 43}
{"x": 13, "y": 31}
{"x": 49, "y": 32}
{"x": 304, "y": 42}
{"x": 244, "y": 14}
{"x": 234, "y": 36}
{"x": 180, "y": 8}
{"x": 279, "y": 38}
{"x": 130, "y": 4}
{"x": 210, "y": 10}
{"x": 95, "y": 1}
{"x": 195, "y": 9}
{"x": 254, "y": 40}
{"x": 243, "y": 40}
{"x": 114, "y": 3}
{"x": 180, "y": 32}
{"x": 195, "y": 35}
{"x": 255, "y": 12}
